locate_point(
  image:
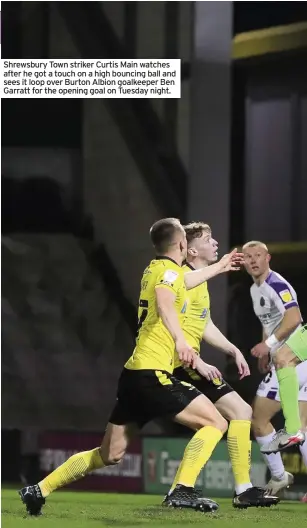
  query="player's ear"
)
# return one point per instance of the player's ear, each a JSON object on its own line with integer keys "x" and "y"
{"x": 269, "y": 257}
{"x": 192, "y": 252}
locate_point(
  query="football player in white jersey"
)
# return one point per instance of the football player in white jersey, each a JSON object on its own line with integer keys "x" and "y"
{"x": 275, "y": 304}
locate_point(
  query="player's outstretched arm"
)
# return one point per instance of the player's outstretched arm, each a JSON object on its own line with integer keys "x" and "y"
{"x": 166, "y": 309}
{"x": 214, "y": 337}
{"x": 289, "y": 323}
{"x": 229, "y": 262}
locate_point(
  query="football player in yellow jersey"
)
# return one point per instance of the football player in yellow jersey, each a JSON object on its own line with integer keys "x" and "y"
{"x": 198, "y": 325}
{"x": 147, "y": 388}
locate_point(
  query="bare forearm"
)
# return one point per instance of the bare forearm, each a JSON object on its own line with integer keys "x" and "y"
{"x": 197, "y": 277}
{"x": 171, "y": 322}
{"x": 290, "y": 322}
{"x": 215, "y": 338}
{"x": 286, "y": 328}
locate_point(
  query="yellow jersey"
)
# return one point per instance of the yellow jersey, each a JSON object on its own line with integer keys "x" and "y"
{"x": 197, "y": 314}
{"x": 155, "y": 348}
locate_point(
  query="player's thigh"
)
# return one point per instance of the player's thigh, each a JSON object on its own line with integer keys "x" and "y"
{"x": 233, "y": 407}
{"x": 297, "y": 345}
{"x": 116, "y": 440}
{"x": 263, "y": 411}
{"x": 201, "y": 412}
{"x": 213, "y": 390}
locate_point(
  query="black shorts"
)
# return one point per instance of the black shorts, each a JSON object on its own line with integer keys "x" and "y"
{"x": 214, "y": 390}
{"x": 144, "y": 395}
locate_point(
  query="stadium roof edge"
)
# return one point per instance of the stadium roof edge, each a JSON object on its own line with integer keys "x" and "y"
{"x": 269, "y": 40}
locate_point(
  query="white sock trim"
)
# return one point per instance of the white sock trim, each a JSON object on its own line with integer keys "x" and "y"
{"x": 273, "y": 461}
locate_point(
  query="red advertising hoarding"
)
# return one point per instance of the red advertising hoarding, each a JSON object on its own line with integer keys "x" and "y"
{"x": 125, "y": 477}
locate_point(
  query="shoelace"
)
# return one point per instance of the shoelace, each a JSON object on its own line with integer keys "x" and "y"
{"x": 278, "y": 433}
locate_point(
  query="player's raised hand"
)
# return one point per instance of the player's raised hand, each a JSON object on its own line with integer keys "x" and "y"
{"x": 186, "y": 354}
{"x": 210, "y": 372}
{"x": 231, "y": 261}
{"x": 242, "y": 364}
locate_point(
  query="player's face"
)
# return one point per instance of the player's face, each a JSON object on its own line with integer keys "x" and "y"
{"x": 206, "y": 247}
{"x": 256, "y": 261}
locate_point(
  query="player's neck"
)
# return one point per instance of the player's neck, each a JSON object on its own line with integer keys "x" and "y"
{"x": 174, "y": 256}
{"x": 260, "y": 280}
{"x": 197, "y": 263}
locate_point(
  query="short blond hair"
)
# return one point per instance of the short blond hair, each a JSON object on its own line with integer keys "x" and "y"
{"x": 195, "y": 230}
{"x": 255, "y": 243}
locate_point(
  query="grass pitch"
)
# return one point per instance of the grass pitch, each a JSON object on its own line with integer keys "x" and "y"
{"x": 93, "y": 510}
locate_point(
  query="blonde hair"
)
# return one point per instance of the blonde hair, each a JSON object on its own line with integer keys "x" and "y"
{"x": 255, "y": 243}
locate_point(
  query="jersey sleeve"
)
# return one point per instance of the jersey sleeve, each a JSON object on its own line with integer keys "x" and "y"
{"x": 170, "y": 279}
{"x": 282, "y": 296}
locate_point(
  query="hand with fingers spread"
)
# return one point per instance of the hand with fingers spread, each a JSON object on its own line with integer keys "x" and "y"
{"x": 231, "y": 261}
{"x": 210, "y": 372}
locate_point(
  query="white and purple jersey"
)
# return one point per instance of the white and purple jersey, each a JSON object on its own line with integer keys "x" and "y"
{"x": 271, "y": 300}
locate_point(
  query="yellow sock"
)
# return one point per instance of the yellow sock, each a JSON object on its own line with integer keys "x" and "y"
{"x": 74, "y": 468}
{"x": 196, "y": 454}
{"x": 239, "y": 448}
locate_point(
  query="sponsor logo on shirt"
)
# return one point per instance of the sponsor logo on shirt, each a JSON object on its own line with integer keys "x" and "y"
{"x": 286, "y": 296}
{"x": 170, "y": 276}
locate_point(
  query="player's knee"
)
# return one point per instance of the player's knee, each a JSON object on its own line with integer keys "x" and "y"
{"x": 216, "y": 420}
{"x": 284, "y": 358}
{"x": 280, "y": 362}
{"x": 220, "y": 423}
{"x": 110, "y": 456}
{"x": 242, "y": 412}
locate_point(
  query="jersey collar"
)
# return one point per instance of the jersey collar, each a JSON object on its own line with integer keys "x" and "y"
{"x": 161, "y": 257}
{"x": 190, "y": 266}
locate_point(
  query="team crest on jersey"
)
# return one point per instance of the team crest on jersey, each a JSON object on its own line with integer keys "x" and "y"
{"x": 262, "y": 301}
{"x": 286, "y": 296}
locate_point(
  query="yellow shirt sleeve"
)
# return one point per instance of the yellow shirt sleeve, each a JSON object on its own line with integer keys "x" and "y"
{"x": 170, "y": 279}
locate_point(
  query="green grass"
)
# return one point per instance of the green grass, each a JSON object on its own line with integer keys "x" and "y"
{"x": 80, "y": 510}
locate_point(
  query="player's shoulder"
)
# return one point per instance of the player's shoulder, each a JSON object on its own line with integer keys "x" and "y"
{"x": 203, "y": 287}
{"x": 166, "y": 267}
{"x": 277, "y": 282}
